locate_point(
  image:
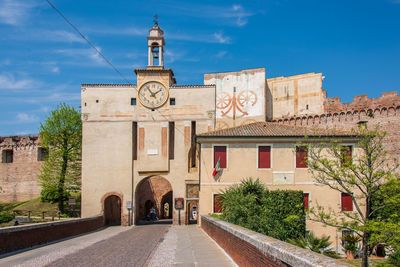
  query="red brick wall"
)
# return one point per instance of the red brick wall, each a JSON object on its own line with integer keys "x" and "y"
{"x": 386, "y": 118}
{"x": 21, "y": 237}
{"x": 242, "y": 252}
{"x": 19, "y": 179}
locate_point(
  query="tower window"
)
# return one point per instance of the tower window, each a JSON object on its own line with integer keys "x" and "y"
{"x": 155, "y": 53}
{"x": 42, "y": 153}
{"x": 7, "y": 156}
{"x": 306, "y": 107}
{"x": 172, "y": 101}
{"x": 133, "y": 101}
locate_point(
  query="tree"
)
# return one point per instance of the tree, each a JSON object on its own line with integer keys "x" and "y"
{"x": 61, "y": 135}
{"x": 332, "y": 165}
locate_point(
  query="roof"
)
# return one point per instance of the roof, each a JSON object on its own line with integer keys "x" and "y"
{"x": 270, "y": 129}
{"x": 107, "y": 85}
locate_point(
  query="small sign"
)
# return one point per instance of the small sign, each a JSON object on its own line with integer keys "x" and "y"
{"x": 129, "y": 205}
{"x": 72, "y": 201}
{"x": 179, "y": 203}
{"x": 152, "y": 151}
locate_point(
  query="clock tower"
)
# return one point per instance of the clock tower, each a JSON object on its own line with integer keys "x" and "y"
{"x": 154, "y": 81}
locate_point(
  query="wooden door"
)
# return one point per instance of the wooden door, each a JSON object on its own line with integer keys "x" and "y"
{"x": 112, "y": 210}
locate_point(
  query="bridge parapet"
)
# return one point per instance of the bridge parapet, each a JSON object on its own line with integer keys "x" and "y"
{"x": 249, "y": 248}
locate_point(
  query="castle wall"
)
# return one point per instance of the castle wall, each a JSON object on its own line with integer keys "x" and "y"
{"x": 19, "y": 179}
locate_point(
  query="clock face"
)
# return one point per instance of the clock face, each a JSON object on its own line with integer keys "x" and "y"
{"x": 153, "y": 95}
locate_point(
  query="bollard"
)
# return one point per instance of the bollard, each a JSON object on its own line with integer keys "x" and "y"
{"x": 43, "y": 212}
{"x": 29, "y": 214}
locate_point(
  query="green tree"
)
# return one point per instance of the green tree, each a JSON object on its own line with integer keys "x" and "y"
{"x": 360, "y": 177}
{"x": 61, "y": 135}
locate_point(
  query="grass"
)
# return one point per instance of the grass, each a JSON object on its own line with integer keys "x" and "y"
{"x": 373, "y": 262}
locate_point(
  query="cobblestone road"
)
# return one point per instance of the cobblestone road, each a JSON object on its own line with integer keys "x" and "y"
{"x": 130, "y": 248}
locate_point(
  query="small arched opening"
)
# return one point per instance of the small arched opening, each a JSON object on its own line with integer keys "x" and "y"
{"x": 155, "y": 54}
{"x": 112, "y": 210}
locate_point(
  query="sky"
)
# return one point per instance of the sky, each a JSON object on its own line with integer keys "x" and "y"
{"x": 354, "y": 43}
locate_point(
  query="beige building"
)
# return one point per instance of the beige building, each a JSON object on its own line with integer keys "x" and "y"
{"x": 141, "y": 159}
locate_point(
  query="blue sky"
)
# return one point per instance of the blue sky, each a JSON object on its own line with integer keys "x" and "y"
{"x": 354, "y": 43}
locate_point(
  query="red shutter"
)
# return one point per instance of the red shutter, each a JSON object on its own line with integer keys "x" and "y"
{"x": 347, "y": 202}
{"x": 220, "y": 153}
{"x": 217, "y": 204}
{"x": 264, "y": 157}
{"x": 301, "y": 157}
{"x": 306, "y": 200}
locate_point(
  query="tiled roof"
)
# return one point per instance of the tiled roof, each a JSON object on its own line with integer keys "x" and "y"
{"x": 270, "y": 129}
{"x": 192, "y": 85}
{"x": 107, "y": 85}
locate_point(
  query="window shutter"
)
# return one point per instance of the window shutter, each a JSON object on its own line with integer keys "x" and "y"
{"x": 217, "y": 204}
{"x": 347, "y": 202}
{"x": 220, "y": 153}
{"x": 301, "y": 157}
{"x": 306, "y": 200}
{"x": 264, "y": 157}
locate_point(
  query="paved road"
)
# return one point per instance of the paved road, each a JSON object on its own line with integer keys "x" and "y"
{"x": 150, "y": 245}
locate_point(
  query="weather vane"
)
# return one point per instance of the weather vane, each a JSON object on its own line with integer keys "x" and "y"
{"x": 155, "y": 19}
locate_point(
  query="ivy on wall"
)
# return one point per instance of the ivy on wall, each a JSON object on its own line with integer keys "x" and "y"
{"x": 279, "y": 213}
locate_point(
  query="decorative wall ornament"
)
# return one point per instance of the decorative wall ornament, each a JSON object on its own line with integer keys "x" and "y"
{"x": 236, "y": 105}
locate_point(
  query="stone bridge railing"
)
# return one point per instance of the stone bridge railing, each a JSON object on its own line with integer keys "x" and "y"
{"x": 26, "y": 236}
{"x": 248, "y": 248}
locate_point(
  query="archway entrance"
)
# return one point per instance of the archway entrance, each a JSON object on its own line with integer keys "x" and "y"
{"x": 154, "y": 201}
{"x": 112, "y": 210}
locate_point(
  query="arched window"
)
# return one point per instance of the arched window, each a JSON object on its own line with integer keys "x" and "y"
{"x": 155, "y": 54}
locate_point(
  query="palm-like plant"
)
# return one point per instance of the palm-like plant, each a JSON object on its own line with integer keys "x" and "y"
{"x": 313, "y": 243}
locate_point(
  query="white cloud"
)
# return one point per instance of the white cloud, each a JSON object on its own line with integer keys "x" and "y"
{"x": 9, "y": 82}
{"x": 55, "y": 69}
{"x": 219, "y": 37}
{"x": 239, "y": 14}
{"x": 59, "y": 36}
{"x": 221, "y": 54}
{"x": 15, "y": 12}
{"x": 81, "y": 53}
{"x": 23, "y": 117}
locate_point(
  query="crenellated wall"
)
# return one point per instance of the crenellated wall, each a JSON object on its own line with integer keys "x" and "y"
{"x": 387, "y": 118}
{"x": 19, "y": 179}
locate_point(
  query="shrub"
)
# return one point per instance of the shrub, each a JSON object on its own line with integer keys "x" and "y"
{"x": 395, "y": 258}
{"x": 6, "y": 216}
{"x": 320, "y": 245}
{"x": 279, "y": 214}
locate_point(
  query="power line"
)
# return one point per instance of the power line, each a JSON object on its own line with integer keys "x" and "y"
{"x": 87, "y": 40}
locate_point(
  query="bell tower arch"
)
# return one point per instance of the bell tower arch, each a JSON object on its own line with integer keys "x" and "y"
{"x": 155, "y": 43}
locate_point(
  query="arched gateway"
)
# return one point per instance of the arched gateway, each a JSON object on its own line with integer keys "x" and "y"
{"x": 154, "y": 192}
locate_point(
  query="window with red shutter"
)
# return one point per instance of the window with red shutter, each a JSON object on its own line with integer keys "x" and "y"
{"x": 264, "y": 157}
{"x": 306, "y": 200}
{"x": 347, "y": 202}
{"x": 217, "y": 203}
{"x": 301, "y": 157}
{"x": 220, "y": 153}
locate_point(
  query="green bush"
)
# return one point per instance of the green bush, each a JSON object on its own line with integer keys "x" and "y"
{"x": 6, "y": 216}
{"x": 395, "y": 258}
{"x": 279, "y": 213}
{"x": 320, "y": 245}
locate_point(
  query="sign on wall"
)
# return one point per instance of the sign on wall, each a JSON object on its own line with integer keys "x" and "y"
{"x": 179, "y": 203}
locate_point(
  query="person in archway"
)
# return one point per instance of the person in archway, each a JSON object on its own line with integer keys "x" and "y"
{"x": 153, "y": 214}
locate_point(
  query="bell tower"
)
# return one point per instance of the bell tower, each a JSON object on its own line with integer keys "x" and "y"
{"x": 155, "y": 43}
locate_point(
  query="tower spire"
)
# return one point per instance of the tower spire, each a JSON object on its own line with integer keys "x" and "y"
{"x": 155, "y": 43}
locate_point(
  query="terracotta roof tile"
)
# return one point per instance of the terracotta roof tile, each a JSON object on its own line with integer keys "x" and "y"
{"x": 270, "y": 129}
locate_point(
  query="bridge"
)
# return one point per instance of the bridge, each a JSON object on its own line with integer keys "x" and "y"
{"x": 87, "y": 242}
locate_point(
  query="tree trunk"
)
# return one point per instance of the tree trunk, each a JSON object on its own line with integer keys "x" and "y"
{"x": 62, "y": 180}
{"x": 365, "y": 250}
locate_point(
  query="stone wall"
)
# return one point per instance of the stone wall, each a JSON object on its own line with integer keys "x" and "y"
{"x": 248, "y": 248}
{"x": 19, "y": 179}
{"x": 22, "y": 237}
{"x": 386, "y": 118}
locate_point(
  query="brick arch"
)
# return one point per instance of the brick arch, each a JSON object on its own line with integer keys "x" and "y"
{"x": 153, "y": 191}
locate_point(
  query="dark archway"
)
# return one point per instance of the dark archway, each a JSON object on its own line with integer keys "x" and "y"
{"x": 112, "y": 210}
{"x": 154, "y": 192}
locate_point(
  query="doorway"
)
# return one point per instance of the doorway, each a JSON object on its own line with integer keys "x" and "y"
{"x": 112, "y": 210}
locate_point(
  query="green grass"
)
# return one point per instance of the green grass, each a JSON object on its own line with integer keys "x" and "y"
{"x": 373, "y": 262}
{"x": 34, "y": 205}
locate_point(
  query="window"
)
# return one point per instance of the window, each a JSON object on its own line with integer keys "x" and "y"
{"x": 264, "y": 157}
{"x": 306, "y": 199}
{"x": 42, "y": 154}
{"x": 7, "y": 156}
{"x": 346, "y": 202}
{"x": 301, "y": 157}
{"x": 172, "y": 101}
{"x": 347, "y": 154}
{"x": 217, "y": 203}
{"x": 220, "y": 154}
{"x": 171, "y": 143}
{"x": 134, "y": 140}
{"x": 133, "y": 101}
